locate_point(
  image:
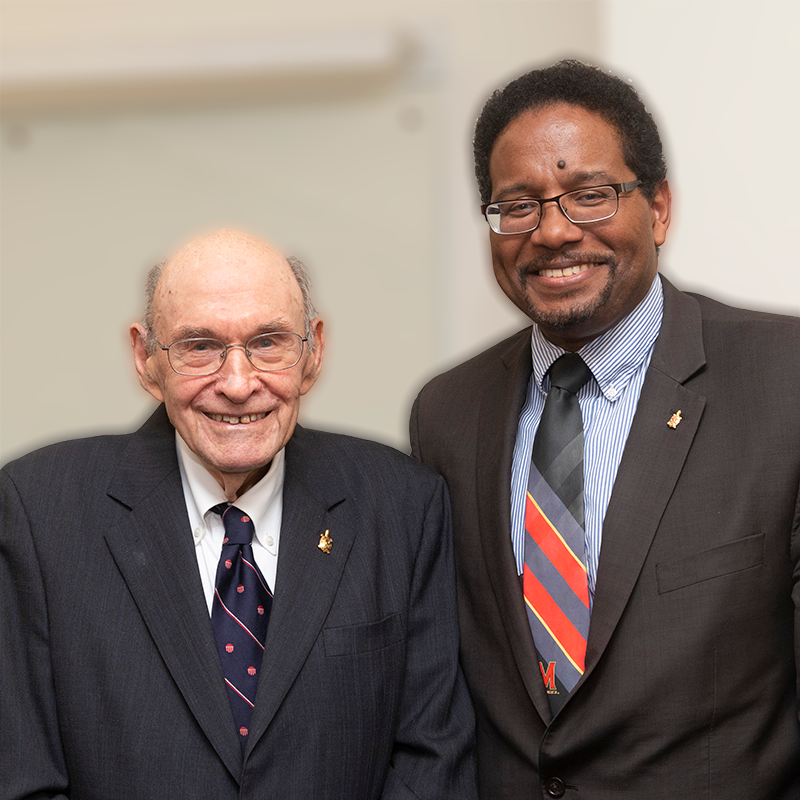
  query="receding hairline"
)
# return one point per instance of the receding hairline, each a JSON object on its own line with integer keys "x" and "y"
{"x": 215, "y": 244}
{"x": 220, "y": 241}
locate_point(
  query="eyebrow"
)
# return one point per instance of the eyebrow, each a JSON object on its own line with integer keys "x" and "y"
{"x": 190, "y": 332}
{"x": 594, "y": 177}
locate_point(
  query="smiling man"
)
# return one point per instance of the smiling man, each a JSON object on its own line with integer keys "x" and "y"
{"x": 223, "y": 604}
{"x": 625, "y": 479}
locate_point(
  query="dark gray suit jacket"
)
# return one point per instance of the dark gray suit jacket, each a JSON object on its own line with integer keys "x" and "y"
{"x": 111, "y": 683}
{"x": 690, "y": 687}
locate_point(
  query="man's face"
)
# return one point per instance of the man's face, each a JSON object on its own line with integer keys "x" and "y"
{"x": 574, "y": 281}
{"x": 231, "y": 292}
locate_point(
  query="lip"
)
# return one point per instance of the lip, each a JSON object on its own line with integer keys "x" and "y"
{"x": 237, "y": 419}
{"x": 564, "y": 271}
{"x": 589, "y": 272}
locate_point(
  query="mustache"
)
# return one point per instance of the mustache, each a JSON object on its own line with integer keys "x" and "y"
{"x": 561, "y": 260}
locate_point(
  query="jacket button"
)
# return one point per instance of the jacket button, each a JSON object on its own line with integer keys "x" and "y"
{"x": 555, "y": 787}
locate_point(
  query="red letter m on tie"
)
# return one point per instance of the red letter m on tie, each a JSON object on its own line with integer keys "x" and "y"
{"x": 549, "y": 676}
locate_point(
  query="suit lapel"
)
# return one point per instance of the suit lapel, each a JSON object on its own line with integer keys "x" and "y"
{"x": 146, "y": 548}
{"x": 497, "y": 431}
{"x": 307, "y": 577}
{"x": 651, "y": 465}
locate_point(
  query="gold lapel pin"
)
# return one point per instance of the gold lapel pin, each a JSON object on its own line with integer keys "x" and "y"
{"x": 674, "y": 421}
{"x": 325, "y": 542}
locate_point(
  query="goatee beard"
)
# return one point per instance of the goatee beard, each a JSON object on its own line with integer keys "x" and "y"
{"x": 569, "y": 316}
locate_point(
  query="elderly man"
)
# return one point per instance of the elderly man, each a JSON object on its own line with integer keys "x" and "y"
{"x": 143, "y": 653}
{"x": 624, "y": 478}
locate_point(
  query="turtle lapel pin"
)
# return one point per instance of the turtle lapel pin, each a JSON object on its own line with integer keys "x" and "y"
{"x": 673, "y": 423}
{"x": 325, "y": 542}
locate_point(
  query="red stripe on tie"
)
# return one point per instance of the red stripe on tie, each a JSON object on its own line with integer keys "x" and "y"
{"x": 564, "y": 633}
{"x": 556, "y": 549}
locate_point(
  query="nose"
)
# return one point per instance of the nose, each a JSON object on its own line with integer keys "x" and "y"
{"x": 554, "y": 229}
{"x": 237, "y": 378}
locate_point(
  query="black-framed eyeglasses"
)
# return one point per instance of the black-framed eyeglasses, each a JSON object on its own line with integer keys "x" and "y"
{"x": 590, "y": 204}
{"x": 267, "y": 352}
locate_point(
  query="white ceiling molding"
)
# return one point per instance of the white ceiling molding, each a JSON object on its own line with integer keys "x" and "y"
{"x": 208, "y": 71}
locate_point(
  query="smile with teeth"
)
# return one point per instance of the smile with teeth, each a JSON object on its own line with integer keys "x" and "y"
{"x": 566, "y": 271}
{"x": 243, "y": 420}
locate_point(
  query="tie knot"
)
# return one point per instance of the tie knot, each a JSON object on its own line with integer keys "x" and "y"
{"x": 569, "y": 372}
{"x": 239, "y": 528}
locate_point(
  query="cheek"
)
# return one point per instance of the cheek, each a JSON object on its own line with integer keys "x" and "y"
{"x": 504, "y": 260}
{"x": 181, "y": 393}
{"x": 285, "y": 386}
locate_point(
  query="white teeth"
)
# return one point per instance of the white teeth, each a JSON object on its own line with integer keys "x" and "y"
{"x": 244, "y": 419}
{"x": 566, "y": 272}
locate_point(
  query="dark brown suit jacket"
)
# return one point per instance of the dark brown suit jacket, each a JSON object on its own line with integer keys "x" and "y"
{"x": 691, "y": 686}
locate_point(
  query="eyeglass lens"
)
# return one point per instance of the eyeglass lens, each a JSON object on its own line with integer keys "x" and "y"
{"x": 582, "y": 205}
{"x": 269, "y": 352}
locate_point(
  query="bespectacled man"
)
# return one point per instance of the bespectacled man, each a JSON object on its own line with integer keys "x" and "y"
{"x": 224, "y": 604}
{"x": 624, "y": 477}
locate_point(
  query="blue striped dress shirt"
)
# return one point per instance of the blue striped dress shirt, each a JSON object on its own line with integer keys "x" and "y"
{"x": 618, "y": 360}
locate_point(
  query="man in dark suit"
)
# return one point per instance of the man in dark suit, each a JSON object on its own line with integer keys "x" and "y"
{"x": 680, "y": 548}
{"x": 120, "y": 677}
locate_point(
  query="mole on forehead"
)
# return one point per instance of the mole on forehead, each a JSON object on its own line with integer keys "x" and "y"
{"x": 562, "y": 164}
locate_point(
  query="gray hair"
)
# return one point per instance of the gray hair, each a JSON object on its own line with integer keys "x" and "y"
{"x": 298, "y": 270}
{"x": 148, "y": 320}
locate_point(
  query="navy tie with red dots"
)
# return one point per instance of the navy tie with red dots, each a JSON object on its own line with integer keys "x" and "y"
{"x": 240, "y": 615}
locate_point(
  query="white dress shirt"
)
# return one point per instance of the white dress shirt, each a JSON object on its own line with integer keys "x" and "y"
{"x": 263, "y": 503}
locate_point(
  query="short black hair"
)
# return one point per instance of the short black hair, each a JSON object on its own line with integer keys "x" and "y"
{"x": 571, "y": 81}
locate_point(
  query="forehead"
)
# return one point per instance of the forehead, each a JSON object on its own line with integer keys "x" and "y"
{"x": 229, "y": 291}
{"x": 558, "y": 143}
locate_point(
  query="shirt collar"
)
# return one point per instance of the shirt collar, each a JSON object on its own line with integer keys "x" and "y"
{"x": 613, "y": 357}
{"x": 257, "y": 502}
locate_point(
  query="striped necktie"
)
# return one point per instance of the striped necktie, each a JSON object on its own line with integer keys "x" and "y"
{"x": 240, "y": 615}
{"x": 554, "y": 578}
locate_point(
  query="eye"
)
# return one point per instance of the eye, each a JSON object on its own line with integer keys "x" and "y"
{"x": 591, "y": 197}
{"x": 262, "y": 343}
{"x": 519, "y": 208}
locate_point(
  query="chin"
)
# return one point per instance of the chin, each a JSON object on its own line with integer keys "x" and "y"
{"x": 571, "y": 317}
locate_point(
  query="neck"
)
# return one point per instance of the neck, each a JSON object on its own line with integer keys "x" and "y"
{"x": 236, "y": 484}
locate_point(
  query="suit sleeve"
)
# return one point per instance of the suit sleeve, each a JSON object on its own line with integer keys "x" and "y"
{"x": 31, "y": 758}
{"x": 796, "y": 593}
{"x": 413, "y": 431}
{"x": 433, "y": 752}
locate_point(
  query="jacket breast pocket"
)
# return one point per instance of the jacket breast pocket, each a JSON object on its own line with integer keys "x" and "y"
{"x": 363, "y": 638}
{"x": 726, "y": 559}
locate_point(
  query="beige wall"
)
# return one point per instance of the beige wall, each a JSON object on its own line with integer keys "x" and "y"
{"x": 724, "y": 82}
{"x": 342, "y": 130}
{"x": 100, "y": 181}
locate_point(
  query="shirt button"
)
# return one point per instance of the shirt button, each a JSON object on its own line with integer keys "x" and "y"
{"x": 555, "y": 787}
{"x": 198, "y": 532}
{"x": 270, "y": 541}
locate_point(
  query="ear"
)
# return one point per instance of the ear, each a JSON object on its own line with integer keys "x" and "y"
{"x": 143, "y": 362}
{"x": 660, "y": 211}
{"x": 314, "y": 359}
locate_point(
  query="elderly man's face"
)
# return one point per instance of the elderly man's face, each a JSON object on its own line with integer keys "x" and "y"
{"x": 230, "y": 290}
{"x": 574, "y": 281}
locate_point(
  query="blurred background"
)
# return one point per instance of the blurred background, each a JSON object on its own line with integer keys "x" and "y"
{"x": 341, "y": 130}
